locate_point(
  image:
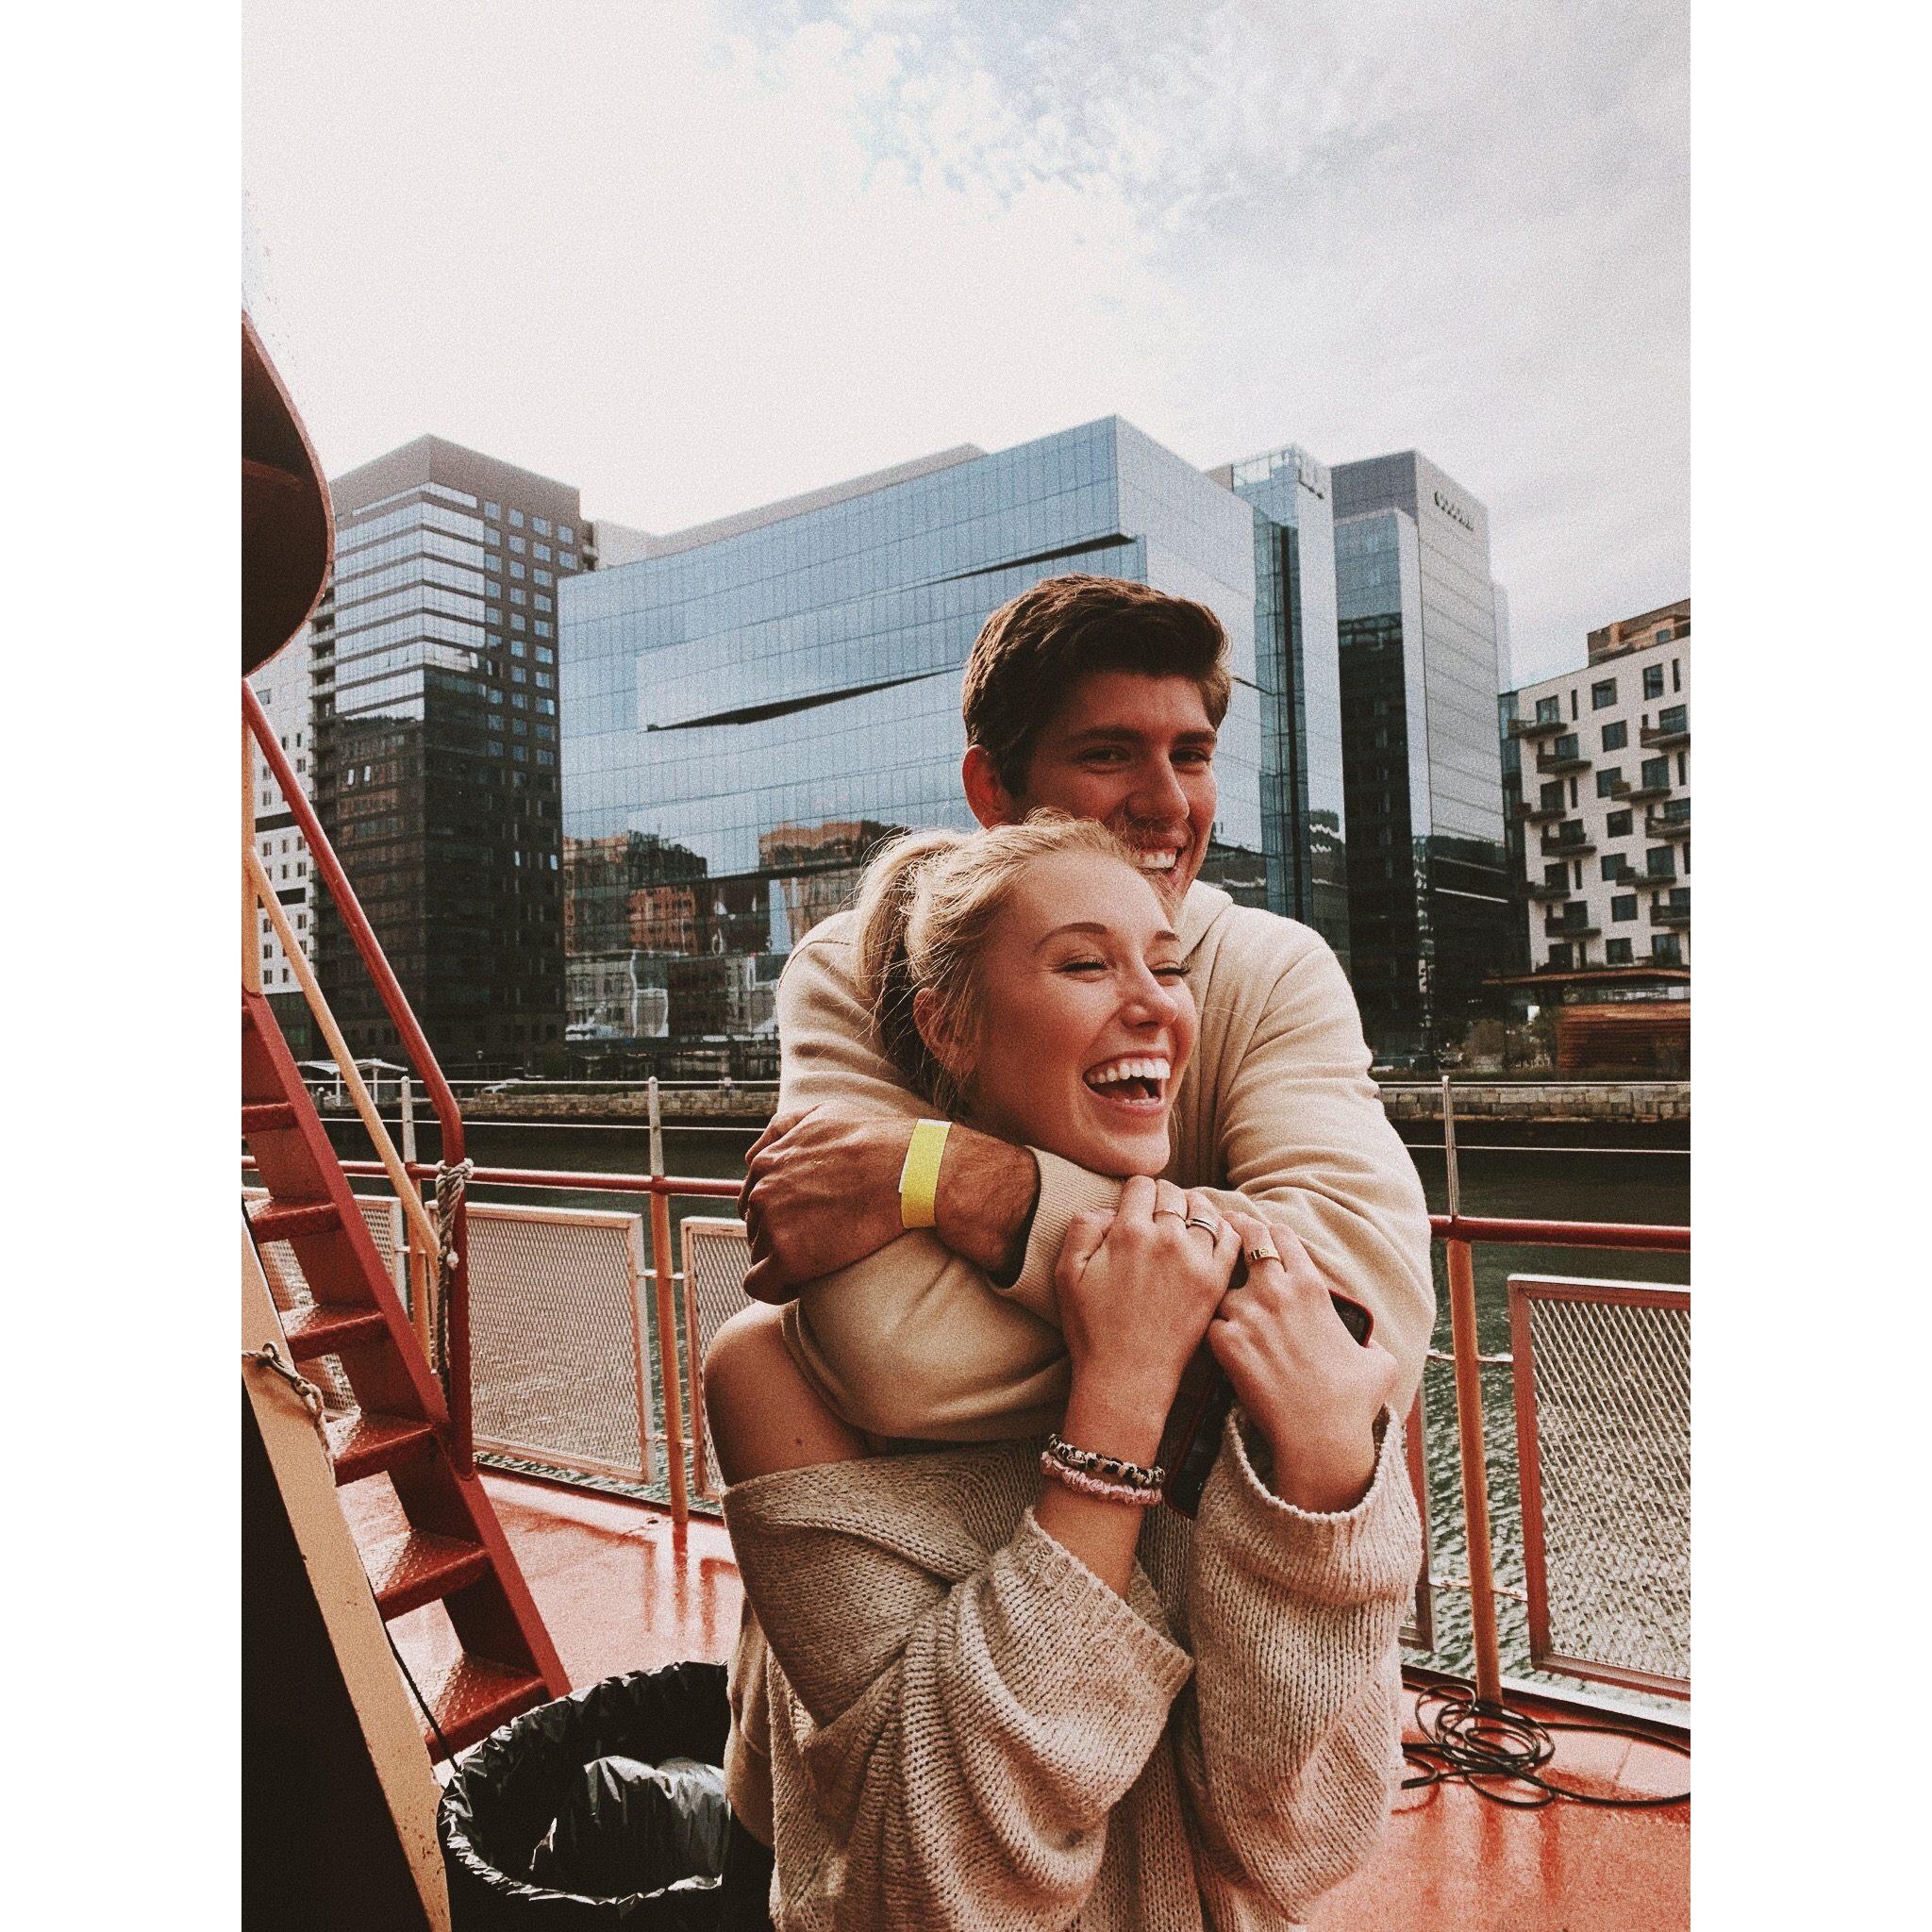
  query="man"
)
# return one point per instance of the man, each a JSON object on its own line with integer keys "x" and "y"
{"x": 1102, "y": 698}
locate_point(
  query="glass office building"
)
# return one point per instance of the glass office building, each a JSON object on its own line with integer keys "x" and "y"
{"x": 1297, "y": 669}
{"x": 1429, "y": 907}
{"x": 749, "y": 712}
{"x": 433, "y": 661}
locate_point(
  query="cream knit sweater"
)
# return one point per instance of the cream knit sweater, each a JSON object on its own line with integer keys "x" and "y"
{"x": 942, "y": 1720}
{"x": 1276, "y": 1102}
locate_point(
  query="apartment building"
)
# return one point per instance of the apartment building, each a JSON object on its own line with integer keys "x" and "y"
{"x": 1604, "y": 803}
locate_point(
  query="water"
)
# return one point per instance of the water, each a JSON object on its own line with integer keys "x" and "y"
{"x": 1627, "y": 1185}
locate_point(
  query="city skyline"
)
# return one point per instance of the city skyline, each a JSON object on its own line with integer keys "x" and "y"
{"x": 724, "y": 256}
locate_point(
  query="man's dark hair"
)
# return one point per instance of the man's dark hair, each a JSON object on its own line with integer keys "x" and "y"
{"x": 1030, "y": 653}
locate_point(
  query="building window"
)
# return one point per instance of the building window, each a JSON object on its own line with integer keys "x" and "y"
{"x": 1617, "y": 826}
{"x": 1624, "y": 906}
{"x": 519, "y": 622}
{"x": 541, "y": 552}
{"x": 494, "y": 538}
{"x": 1607, "y": 782}
{"x": 549, "y": 657}
{"x": 516, "y": 518}
{"x": 1548, "y": 710}
{"x": 1658, "y": 864}
{"x": 1573, "y": 701}
{"x": 545, "y": 630}
{"x": 493, "y": 512}
{"x": 567, "y": 560}
{"x": 543, "y": 577}
{"x": 565, "y": 534}
{"x": 520, "y": 597}
{"x": 1653, "y": 680}
{"x": 1613, "y": 865}
{"x": 1666, "y": 950}
{"x": 1676, "y": 676}
{"x": 1656, "y": 771}
{"x": 1616, "y": 736}
{"x": 1674, "y": 718}
{"x": 1566, "y": 746}
{"x": 1616, "y": 952}
{"x": 1603, "y": 695}
{"x": 1559, "y": 956}
{"x": 540, "y": 525}
{"x": 544, "y": 604}
{"x": 517, "y": 545}
{"x": 516, "y": 570}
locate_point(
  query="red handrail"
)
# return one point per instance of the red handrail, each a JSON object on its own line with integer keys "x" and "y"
{"x": 1478, "y": 1228}
{"x": 329, "y": 869}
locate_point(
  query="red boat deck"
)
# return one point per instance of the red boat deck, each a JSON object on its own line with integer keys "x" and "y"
{"x": 622, "y": 1590}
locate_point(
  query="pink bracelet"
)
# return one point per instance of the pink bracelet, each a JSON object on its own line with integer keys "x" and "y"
{"x": 1082, "y": 1483}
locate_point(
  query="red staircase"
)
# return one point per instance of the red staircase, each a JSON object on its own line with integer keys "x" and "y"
{"x": 454, "y": 1551}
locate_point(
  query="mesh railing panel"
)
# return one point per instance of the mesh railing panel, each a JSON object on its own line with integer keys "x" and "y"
{"x": 716, "y": 1256}
{"x": 1603, "y": 1373}
{"x": 557, "y": 1374}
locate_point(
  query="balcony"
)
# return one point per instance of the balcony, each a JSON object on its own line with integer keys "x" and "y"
{"x": 1663, "y": 737}
{"x": 1543, "y": 889}
{"x": 1573, "y": 924}
{"x": 1624, "y": 877}
{"x": 1577, "y": 847}
{"x": 1641, "y": 793}
{"x": 1655, "y": 881}
{"x": 1670, "y": 822}
{"x": 1554, "y": 763}
{"x": 1532, "y": 813}
{"x": 1534, "y": 727}
{"x": 1674, "y": 911}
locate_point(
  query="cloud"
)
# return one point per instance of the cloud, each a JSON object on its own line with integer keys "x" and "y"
{"x": 694, "y": 260}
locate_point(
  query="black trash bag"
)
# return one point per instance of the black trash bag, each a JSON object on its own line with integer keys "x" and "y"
{"x": 517, "y": 1789}
{"x": 626, "y": 1824}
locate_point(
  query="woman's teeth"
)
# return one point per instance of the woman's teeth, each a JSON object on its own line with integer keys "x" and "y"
{"x": 1158, "y": 861}
{"x": 1146, "y": 1077}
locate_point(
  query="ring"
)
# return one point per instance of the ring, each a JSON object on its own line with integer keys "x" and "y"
{"x": 1213, "y": 1227}
{"x": 1263, "y": 1255}
{"x": 1177, "y": 1213}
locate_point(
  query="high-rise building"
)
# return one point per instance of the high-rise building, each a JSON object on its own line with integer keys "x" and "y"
{"x": 1297, "y": 670}
{"x": 753, "y": 706}
{"x": 282, "y": 685}
{"x": 1605, "y": 810}
{"x": 1428, "y": 897}
{"x": 434, "y": 684}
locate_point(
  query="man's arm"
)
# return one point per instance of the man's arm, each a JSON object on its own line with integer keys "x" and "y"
{"x": 822, "y": 1197}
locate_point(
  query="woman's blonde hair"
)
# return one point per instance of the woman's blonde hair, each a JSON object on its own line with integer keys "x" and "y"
{"x": 925, "y": 906}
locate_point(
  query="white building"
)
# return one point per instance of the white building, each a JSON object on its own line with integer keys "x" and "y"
{"x": 283, "y": 686}
{"x": 1605, "y": 800}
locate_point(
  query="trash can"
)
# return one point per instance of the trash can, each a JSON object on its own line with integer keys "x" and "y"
{"x": 606, "y": 1807}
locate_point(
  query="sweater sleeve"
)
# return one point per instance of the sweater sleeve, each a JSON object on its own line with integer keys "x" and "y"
{"x": 970, "y": 1728}
{"x": 1289, "y": 1738}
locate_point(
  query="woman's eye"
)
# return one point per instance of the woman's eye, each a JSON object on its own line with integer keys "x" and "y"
{"x": 1085, "y": 966}
{"x": 1171, "y": 972}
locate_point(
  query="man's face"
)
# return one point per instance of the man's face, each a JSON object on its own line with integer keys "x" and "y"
{"x": 1137, "y": 752}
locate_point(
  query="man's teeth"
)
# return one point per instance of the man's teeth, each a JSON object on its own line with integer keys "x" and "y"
{"x": 1116, "y": 1071}
{"x": 1158, "y": 861}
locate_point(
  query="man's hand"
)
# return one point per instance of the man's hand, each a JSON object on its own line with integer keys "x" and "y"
{"x": 820, "y": 1191}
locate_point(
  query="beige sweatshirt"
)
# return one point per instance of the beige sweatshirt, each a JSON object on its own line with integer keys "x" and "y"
{"x": 1276, "y": 1102}
{"x": 943, "y": 1720}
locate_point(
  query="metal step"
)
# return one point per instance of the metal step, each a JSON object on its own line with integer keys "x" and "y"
{"x": 267, "y": 1116}
{"x": 363, "y": 1445}
{"x": 325, "y": 1327}
{"x": 471, "y": 1696}
{"x": 280, "y": 1222}
{"x": 420, "y": 1567}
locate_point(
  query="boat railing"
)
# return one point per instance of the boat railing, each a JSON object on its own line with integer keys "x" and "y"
{"x": 1564, "y": 1529}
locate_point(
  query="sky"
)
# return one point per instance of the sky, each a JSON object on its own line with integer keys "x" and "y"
{"x": 692, "y": 257}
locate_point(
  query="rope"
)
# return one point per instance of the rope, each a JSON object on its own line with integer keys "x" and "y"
{"x": 450, "y": 1183}
{"x": 1465, "y": 1739}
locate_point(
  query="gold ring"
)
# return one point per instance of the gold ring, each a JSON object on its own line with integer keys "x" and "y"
{"x": 1263, "y": 1255}
{"x": 1177, "y": 1213}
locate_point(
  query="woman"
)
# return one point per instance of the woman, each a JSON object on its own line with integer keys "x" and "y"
{"x": 964, "y": 1702}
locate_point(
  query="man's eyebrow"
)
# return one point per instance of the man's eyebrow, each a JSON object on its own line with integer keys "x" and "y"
{"x": 1206, "y": 735}
{"x": 1096, "y": 926}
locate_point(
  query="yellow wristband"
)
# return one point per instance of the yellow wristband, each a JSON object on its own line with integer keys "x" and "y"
{"x": 918, "y": 1179}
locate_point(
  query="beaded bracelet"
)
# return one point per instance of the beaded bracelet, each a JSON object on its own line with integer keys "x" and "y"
{"x": 1112, "y": 1467}
{"x": 1085, "y": 1485}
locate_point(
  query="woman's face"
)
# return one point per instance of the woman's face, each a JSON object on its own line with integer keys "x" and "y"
{"x": 1084, "y": 1020}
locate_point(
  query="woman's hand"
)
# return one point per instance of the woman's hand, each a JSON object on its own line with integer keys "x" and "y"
{"x": 1137, "y": 1290}
{"x": 1310, "y": 1388}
